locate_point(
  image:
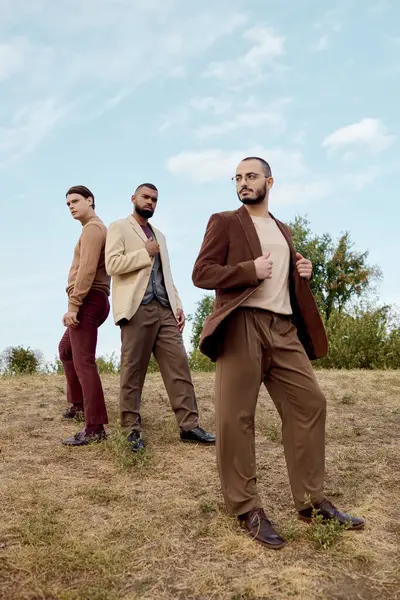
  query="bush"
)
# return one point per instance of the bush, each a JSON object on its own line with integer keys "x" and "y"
{"x": 199, "y": 362}
{"x": 17, "y": 360}
{"x": 55, "y": 367}
{"x": 153, "y": 365}
{"x": 107, "y": 365}
{"x": 367, "y": 338}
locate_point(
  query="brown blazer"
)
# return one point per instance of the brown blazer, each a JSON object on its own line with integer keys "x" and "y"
{"x": 226, "y": 264}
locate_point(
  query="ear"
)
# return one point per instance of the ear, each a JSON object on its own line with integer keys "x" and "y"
{"x": 133, "y": 198}
{"x": 270, "y": 182}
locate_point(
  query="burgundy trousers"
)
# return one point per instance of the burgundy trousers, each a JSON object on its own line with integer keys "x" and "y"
{"x": 77, "y": 352}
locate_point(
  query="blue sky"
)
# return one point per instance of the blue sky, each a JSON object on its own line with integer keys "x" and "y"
{"x": 111, "y": 93}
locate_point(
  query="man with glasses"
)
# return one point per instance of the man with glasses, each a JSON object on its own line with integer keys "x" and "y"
{"x": 265, "y": 328}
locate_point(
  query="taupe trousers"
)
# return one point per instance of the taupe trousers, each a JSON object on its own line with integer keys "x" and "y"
{"x": 262, "y": 347}
{"x": 153, "y": 328}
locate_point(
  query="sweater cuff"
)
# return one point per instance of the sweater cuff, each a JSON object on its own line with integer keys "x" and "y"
{"x": 73, "y": 307}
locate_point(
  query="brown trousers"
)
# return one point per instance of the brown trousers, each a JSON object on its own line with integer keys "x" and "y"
{"x": 153, "y": 328}
{"x": 262, "y": 347}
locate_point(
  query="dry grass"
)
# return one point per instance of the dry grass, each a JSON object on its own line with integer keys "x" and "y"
{"x": 98, "y": 523}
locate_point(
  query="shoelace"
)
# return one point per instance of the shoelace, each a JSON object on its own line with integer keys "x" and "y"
{"x": 260, "y": 516}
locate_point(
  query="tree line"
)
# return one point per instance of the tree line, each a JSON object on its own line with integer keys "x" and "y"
{"x": 363, "y": 334}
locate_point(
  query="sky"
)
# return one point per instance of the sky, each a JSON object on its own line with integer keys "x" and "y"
{"x": 113, "y": 93}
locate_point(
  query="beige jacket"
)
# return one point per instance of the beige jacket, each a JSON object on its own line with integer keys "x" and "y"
{"x": 129, "y": 264}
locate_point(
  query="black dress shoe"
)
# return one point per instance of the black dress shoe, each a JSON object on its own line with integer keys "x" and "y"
{"x": 74, "y": 412}
{"x": 261, "y": 529}
{"x": 135, "y": 440}
{"x": 328, "y": 512}
{"x": 197, "y": 435}
{"x": 83, "y": 439}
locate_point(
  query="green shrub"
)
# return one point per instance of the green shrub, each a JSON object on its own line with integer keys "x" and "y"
{"x": 17, "y": 360}
{"x": 199, "y": 362}
{"x": 153, "y": 366}
{"x": 108, "y": 364}
{"x": 366, "y": 338}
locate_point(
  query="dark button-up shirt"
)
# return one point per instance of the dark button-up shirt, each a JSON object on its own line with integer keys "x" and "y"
{"x": 156, "y": 286}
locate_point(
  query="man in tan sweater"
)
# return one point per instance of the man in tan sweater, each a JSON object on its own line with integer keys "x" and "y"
{"x": 149, "y": 312}
{"x": 88, "y": 307}
{"x": 264, "y": 328}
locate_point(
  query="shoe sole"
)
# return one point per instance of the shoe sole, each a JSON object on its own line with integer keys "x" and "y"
{"x": 79, "y": 417}
{"x": 352, "y": 528}
{"x": 103, "y": 439}
{"x": 269, "y": 546}
{"x": 197, "y": 442}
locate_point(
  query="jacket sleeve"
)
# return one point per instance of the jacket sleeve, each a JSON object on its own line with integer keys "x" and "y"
{"x": 117, "y": 261}
{"x": 210, "y": 271}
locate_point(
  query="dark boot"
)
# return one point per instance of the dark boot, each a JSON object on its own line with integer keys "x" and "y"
{"x": 82, "y": 438}
{"x": 197, "y": 435}
{"x": 261, "y": 529}
{"x": 328, "y": 512}
{"x": 135, "y": 440}
{"x": 74, "y": 411}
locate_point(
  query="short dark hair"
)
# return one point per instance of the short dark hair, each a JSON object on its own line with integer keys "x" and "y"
{"x": 148, "y": 185}
{"x": 264, "y": 164}
{"x": 82, "y": 191}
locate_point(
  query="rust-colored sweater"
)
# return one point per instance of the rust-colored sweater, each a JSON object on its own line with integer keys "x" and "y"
{"x": 88, "y": 270}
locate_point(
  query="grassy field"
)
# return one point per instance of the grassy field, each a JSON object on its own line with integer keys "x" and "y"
{"x": 98, "y": 523}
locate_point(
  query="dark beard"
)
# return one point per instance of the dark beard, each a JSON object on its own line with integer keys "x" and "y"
{"x": 258, "y": 199}
{"x": 146, "y": 214}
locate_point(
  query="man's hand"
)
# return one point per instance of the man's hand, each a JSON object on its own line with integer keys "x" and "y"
{"x": 70, "y": 319}
{"x": 152, "y": 247}
{"x": 263, "y": 266}
{"x": 180, "y": 319}
{"x": 304, "y": 266}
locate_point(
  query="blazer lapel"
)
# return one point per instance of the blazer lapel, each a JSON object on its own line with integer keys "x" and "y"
{"x": 137, "y": 228}
{"x": 250, "y": 232}
{"x": 163, "y": 249}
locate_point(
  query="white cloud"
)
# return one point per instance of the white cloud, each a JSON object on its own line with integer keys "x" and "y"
{"x": 358, "y": 181}
{"x": 367, "y": 133}
{"x": 12, "y": 57}
{"x": 29, "y": 125}
{"x": 215, "y": 164}
{"x": 322, "y": 44}
{"x": 18, "y": 56}
{"x": 103, "y": 49}
{"x": 302, "y": 192}
{"x": 379, "y": 8}
{"x": 294, "y": 182}
{"x": 178, "y": 117}
{"x": 266, "y": 49}
{"x": 217, "y": 105}
{"x": 330, "y": 26}
{"x": 242, "y": 120}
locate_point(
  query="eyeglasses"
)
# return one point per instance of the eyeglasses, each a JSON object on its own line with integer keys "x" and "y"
{"x": 237, "y": 179}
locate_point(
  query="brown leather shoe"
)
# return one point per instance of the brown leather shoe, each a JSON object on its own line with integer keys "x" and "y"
{"x": 261, "y": 529}
{"x": 329, "y": 511}
{"x": 83, "y": 439}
